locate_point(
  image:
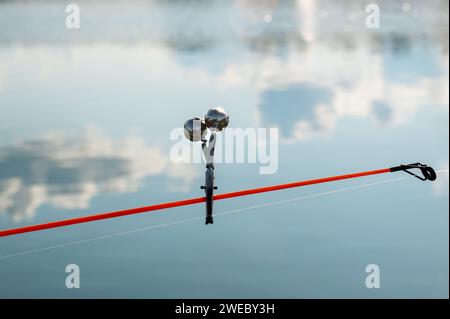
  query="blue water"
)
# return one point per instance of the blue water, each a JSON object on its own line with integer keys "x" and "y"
{"x": 85, "y": 120}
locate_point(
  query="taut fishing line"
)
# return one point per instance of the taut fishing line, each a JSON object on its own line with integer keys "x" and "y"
{"x": 199, "y": 218}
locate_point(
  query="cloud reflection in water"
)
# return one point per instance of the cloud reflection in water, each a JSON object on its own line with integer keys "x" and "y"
{"x": 68, "y": 171}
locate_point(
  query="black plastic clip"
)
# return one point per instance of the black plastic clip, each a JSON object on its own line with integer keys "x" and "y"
{"x": 427, "y": 171}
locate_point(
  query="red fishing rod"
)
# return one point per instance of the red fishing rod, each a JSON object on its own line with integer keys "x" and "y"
{"x": 428, "y": 173}
{"x": 195, "y": 130}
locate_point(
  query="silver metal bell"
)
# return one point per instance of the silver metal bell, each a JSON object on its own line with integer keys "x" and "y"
{"x": 216, "y": 119}
{"x": 195, "y": 129}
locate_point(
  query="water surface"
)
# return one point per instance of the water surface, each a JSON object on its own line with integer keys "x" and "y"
{"x": 85, "y": 120}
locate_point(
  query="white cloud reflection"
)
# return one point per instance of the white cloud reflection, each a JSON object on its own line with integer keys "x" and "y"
{"x": 355, "y": 83}
{"x": 68, "y": 170}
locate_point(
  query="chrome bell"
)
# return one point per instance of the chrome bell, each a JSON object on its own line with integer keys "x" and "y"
{"x": 216, "y": 119}
{"x": 195, "y": 129}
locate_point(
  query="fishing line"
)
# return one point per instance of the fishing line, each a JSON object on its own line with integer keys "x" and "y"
{"x": 198, "y": 218}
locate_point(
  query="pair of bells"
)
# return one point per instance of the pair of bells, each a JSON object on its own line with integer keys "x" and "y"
{"x": 216, "y": 119}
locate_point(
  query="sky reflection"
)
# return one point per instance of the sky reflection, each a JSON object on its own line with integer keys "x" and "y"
{"x": 86, "y": 115}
